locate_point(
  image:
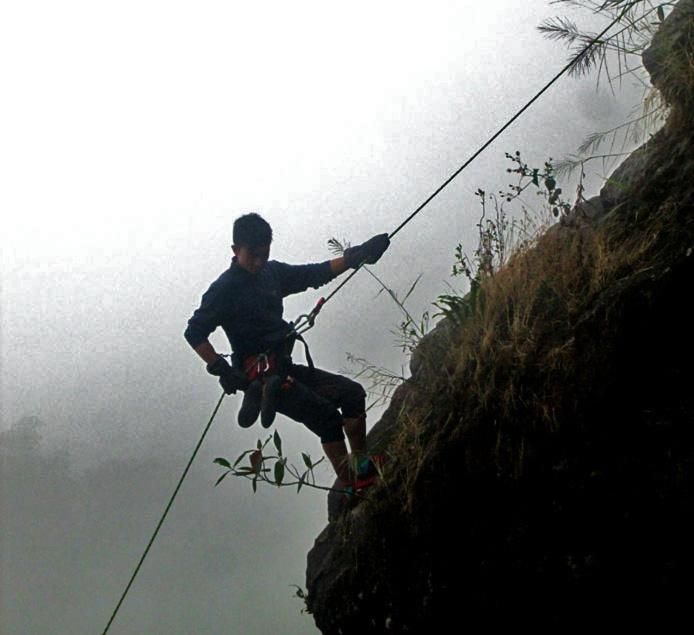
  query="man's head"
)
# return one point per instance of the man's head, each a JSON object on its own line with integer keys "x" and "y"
{"x": 252, "y": 238}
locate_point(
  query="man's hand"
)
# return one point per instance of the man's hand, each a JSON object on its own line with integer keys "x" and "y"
{"x": 231, "y": 379}
{"x": 368, "y": 252}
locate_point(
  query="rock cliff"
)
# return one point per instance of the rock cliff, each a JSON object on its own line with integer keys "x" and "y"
{"x": 542, "y": 450}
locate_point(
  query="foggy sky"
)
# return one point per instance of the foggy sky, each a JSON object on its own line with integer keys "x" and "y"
{"x": 134, "y": 136}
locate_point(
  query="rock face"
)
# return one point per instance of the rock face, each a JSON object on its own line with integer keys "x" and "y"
{"x": 668, "y": 59}
{"x": 508, "y": 520}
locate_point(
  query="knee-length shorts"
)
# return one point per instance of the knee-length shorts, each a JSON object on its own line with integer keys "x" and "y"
{"x": 320, "y": 400}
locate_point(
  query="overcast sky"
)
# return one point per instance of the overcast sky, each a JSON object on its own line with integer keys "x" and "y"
{"x": 134, "y": 133}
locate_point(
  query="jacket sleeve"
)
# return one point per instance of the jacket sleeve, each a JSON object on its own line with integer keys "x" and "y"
{"x": 206, "y": 318}
{"x": 297, "y": 278}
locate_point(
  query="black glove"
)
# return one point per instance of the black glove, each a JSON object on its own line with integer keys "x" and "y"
{"x": 368, "y": 252}
{"x": 231, "y": 379}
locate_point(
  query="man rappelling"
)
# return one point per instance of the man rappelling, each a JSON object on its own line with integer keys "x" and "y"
{"x": 246, "y": 301}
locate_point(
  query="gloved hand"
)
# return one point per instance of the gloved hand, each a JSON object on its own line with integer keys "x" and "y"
{"x": 368, "y": 252}
{"x": 231, "y": 379}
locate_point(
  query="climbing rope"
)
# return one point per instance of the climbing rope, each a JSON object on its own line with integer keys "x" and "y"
{"x": 307, "y": 321}
{"x": 488, "y": 143}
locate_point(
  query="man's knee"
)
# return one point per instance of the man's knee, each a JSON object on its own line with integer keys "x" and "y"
{"x": 328, "y": 427}
{"x": 320, "y": 414}
{"x": 354, "y": 403}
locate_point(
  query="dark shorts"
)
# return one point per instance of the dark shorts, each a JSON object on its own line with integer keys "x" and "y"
{"x": 320, "y": 400}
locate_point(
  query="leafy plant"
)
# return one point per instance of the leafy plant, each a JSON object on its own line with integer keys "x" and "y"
{"x": 272, "y": 468}
{"x": 501, "y": 235}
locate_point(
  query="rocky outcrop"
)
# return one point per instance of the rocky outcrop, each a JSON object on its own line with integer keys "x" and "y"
{"x": 513, "y": 521}
{"x": 669, "y": 60}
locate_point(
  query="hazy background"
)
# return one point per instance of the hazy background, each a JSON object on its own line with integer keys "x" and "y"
{"x": 133, "y": 134}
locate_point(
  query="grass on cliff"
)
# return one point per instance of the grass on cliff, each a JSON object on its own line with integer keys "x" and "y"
{"x": 509, "y": 370}
{"x": 509, "y": 365}
{"x": 503, "y": 377}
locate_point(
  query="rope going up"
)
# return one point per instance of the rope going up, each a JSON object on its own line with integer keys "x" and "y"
{"x": 481, "y": 149}
{"x": 309, "y": 319}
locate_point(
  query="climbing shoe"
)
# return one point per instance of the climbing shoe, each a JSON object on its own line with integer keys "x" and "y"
{"x": 353, "y": 494}
{"x": 268, "y": 402}
{"x": 368, "y": 471}
{"x": 369, "y": 466}
{"x": 250, "y": 408}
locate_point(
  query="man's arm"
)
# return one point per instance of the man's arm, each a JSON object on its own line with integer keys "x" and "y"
{"x": 338, "y": 266}
{"x": 231, "y": 379}
{"x": 204, "y": 321}
{"x": 297, "y": 278}
{"x": 206, "y": 351}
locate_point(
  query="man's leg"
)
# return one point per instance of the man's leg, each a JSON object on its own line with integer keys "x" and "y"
{"x": 346, "y": 466}
{"x": 355, "y": 429}
{"x": 341, "y": 392}
{"x": 336, "y": 451}
{"x": 319, "y": 415}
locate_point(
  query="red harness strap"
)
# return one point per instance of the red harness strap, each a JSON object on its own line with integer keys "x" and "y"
{"x": 257, "y": 366}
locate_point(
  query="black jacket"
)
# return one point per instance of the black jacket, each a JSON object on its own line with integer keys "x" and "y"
{"x": 249, "y": 306}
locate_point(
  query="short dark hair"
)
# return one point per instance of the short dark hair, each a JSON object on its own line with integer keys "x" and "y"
{"x": 252, "y": 230}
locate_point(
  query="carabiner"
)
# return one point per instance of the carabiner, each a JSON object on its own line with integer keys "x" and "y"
{"x": 259, "y": 359}
{"x": 309, "y": 318}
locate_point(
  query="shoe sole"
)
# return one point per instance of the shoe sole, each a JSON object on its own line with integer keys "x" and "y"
{"x": 271, "y": 391}
{"x": 250, "y": 408}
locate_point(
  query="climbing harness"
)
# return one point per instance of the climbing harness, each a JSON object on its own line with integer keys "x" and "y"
{"x": 255, "y": 366}
{"x": 307, "y": 321}
{"x": 273, "y": 359}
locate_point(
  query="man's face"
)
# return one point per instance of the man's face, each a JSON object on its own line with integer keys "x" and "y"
{"x": 252, "y": 259}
